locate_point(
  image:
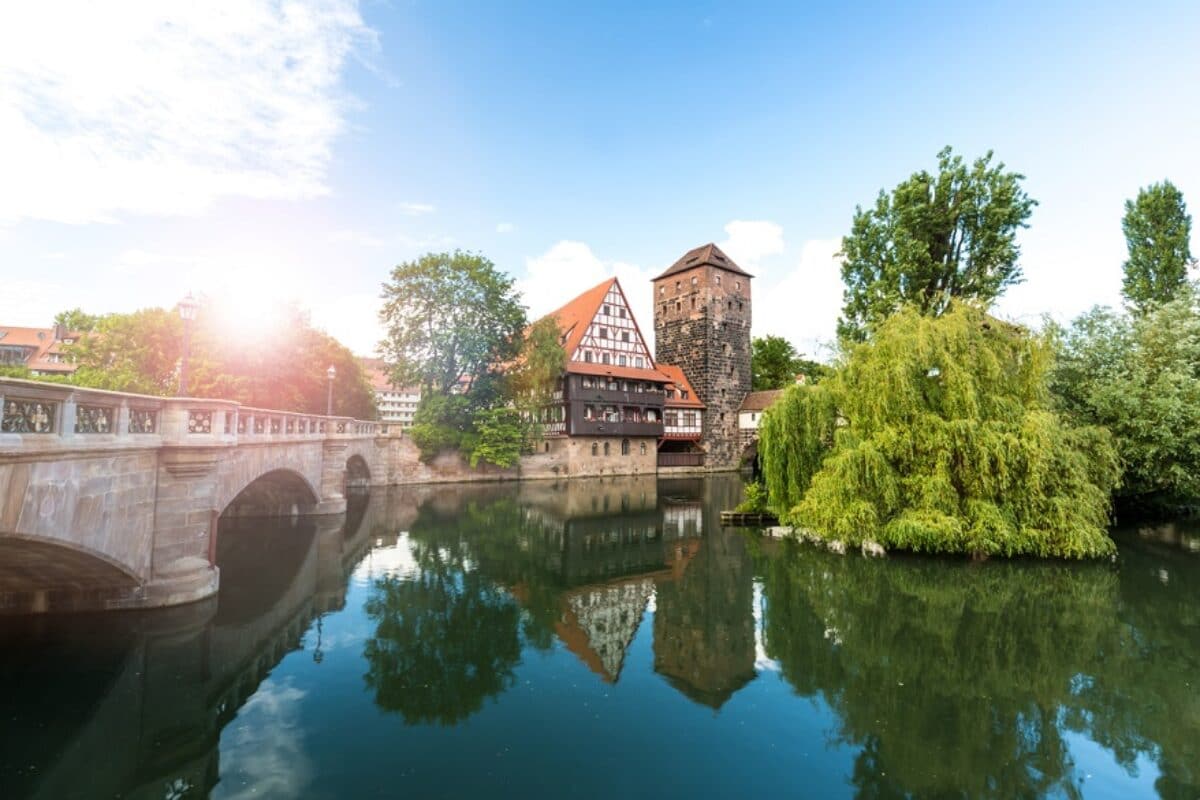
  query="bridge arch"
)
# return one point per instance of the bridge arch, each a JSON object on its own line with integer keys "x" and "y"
{"x": 276, "y": 492}
{"x": 358, "y": 472}
{"x": 42, "y": 574}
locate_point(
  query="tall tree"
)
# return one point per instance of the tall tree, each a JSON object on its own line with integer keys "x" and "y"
{"x": 933, "y": 239}
{"x": 1158, "y": 230}
{"x": 774, "y": 363}
{"x": 76, "y": 321}
{"x": 450, "y": 317}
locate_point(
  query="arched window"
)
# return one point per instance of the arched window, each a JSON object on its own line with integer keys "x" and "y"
{"x": 624, "y": 447}
{"x": 595, "y": 449}
{"x": 718, "y": 280}
{"x": 695, "y": 280}
{"x": 606, "y": 448}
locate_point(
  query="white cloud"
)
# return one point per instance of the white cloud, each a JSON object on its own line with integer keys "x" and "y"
{"x": 353, "y": 319}
{"x": 359, "y": 238}
{"x": 750, "y": 241}
{"x": 30, "y": 303}
{"x": 505, "y": 227}
{"x": 570, "y": 268}
{"x": 158, "y": 107}
{"x": 415, "y": 209}
{"x": 803, "y": 305}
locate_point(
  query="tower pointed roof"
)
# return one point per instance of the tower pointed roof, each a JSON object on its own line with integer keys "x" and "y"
{"x": 706, "y": 255}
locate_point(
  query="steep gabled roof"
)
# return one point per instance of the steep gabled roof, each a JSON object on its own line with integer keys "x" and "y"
{"x": 706, "y": 255}
{"x": 679, "y": 382}
{"x": 573, "y": 321}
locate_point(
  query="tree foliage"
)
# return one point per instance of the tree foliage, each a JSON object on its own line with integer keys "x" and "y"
{"x": 1140, "y": 378}
{"x": 450, "y": 318}
{"x": 933, "y": 239}
{"x": 938, "y": 436}
{"x": 284, "y": 369}
{"x": 775, "y": 363}
{"x": 1157, "y": 230}
{"x": 76, "y": 320}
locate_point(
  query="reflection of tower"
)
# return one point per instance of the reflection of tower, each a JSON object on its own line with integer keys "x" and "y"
{"x": 704, "y": 623}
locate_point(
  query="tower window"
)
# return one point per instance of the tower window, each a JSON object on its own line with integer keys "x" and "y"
{"x": 678, "y": 285}
{"x": 737, "y": 285}
{"x": 729, "y": 305}
{"x": 717, "y": 280}
{"x": 695, "y": 280}
{"x": 693, "y": 304}
{"x": 739, "y": 305}
{"x": 606, "y": 453}
{"x": 662, "y": 290}
{"x": 678, "y": 306}
{"x": 664, "y": 308}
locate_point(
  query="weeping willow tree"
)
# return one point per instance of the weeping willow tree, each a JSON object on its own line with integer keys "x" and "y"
{"x": 937, "y": 435}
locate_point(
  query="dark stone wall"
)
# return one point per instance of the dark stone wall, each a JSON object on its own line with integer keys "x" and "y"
{"x": 702, "y": 324}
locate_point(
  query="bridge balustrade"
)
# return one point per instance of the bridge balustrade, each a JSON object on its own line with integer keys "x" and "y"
{"x": 41, "y": 415}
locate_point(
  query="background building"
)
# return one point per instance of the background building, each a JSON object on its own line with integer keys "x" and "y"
{"x": 40, "y": 350}
{"x": 394, "y": 405}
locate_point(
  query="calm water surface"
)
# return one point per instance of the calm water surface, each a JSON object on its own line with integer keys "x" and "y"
{"x": 609, "y": 639}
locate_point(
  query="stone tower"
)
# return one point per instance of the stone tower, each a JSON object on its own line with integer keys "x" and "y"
{"x": 702, "y": 325}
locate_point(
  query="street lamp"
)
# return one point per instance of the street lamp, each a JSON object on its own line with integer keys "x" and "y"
{"x": 187, "y": 312}
{"x": 330, "y": 373}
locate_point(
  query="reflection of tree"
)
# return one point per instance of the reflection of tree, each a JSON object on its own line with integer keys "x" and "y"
{"x": 445, "y": 640}
{"x": 961, "y": 681}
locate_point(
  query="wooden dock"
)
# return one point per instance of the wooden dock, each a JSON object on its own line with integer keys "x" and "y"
{"x": 739, "y": 519}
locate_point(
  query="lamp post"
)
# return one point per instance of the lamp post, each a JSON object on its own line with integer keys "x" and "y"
{"x": 187, "y": 312}
{"x": 330, "y": 373}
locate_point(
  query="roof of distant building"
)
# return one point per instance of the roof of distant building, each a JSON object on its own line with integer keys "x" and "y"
{"x": 706, "y": 255}
{"x": 41, "y": 342}
{"x": 381, "y": 381}
{"x": 679, "y": 382}
{"x": 760, "y": 401}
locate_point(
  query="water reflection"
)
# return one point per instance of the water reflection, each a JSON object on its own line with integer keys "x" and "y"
{"x": 437, "y": 623}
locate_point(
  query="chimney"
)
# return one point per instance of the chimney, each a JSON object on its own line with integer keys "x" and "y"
{"x": 60, "y": 332}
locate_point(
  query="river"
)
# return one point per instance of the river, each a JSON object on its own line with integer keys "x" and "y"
{"x": 607, "y": 638}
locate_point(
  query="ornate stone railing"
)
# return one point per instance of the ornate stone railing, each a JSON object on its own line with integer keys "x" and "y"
{"x": 50, "y": 414}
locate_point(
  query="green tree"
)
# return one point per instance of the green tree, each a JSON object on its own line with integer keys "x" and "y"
{"x": 1140, "y": 378}
{"x": 933, "y": 239}
{"x": 450, "y": 318}
{"x": 1158, "y": 231}
{"x": 938, "y": 435}
{"x": 135, "y": 352}
{"x": 76, "y": 321}
{"x": 774, "y": 363}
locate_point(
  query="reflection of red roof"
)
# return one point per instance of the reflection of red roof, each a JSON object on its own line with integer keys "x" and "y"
{"x": 573, "y": 321}
{"x": 679, "y": 382}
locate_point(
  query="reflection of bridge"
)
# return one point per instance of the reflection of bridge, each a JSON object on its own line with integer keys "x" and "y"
{"x": 185, "y": 673}
{"x": 111, "y": 500}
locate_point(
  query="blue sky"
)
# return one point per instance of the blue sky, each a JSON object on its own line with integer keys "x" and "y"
{"x": 260, "y": 151}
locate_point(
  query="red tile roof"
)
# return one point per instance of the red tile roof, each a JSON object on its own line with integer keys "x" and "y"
{"x": 760, "y": 401}
{"x": 573, "y": 321}
{"x": 679, "y": 382}
{"x": 41, "y": 342}
{"x": 706, "y": 255}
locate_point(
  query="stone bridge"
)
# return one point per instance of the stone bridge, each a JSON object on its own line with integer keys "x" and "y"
{"x": 111, "y": 500}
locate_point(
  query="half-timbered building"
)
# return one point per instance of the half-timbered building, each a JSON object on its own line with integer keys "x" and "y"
{"x": 606, "y": 415}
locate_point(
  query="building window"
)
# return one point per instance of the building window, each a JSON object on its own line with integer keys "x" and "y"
{"x": 607, "y": 360}
{"x": 718, "y": 280}
{"x": 737, "y": 285}
{"x": 621, "y": 361}
{"x": 624, "y": 336}
{"x": 683, "y": 395}
{"x": 624, "y": 447}
{"x": 587, "y": 356}
{"x": 547, "y": 447}
{"x": 739, "y": 305}
{"x": 589, "y": 412}
{"x": 643, "y": 448}
{"x": 729, "y": 305}
{"x": 595, "y": 449}
{"x": 664, "y": 309}
{"x": 606, "y": 312}
{"x": 606, "y": 453}
{"x": 678, "y": 306}
{"x": 678, "y": 285}
{"x": 662, "y": 290}
{"x": 637, "y": 361}
{"x": 604, "y": 333}
{"x": 695, "y": 280}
